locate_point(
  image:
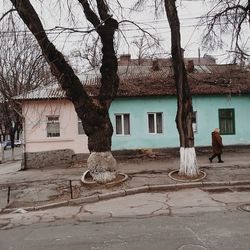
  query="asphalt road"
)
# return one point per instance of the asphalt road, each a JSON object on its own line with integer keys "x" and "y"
{"x": 217, "y": 230}
{"x": 191, "y": 219}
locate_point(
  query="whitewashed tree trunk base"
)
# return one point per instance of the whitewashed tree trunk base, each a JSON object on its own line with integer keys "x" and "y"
{"x": 102, "y": 166}
{"x": 188, "y": 162}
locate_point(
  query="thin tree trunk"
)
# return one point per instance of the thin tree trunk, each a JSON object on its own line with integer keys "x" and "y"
{"x": 188, "y": 162}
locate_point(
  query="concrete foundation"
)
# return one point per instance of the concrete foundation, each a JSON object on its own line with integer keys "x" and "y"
{"x": 55, "y": 158}
{"x": 67, "y": 157}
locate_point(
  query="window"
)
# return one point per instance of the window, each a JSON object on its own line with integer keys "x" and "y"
{"x": 155, "y": 123}
{"x": 53, "y": 126}
{"x": 80, "y": 127}
{"x": 226, "y": 121}
{"x": 122, "y": 123}
{"x": 194, "y": 121}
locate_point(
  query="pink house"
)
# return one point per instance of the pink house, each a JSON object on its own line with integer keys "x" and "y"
{"x": 52, "y": 131}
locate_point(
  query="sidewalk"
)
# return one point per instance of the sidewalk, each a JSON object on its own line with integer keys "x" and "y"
{"x": 36, "y": 189}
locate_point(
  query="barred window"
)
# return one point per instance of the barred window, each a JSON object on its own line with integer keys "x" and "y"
{"x": 194, "y": 121}
{"x": 53, "y": 126}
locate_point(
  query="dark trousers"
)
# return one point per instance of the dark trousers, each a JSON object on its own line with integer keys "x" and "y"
{"x": 214, "y": 155}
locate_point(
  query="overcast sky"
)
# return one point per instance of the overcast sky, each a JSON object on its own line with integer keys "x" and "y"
{"x": 189, "y": 13}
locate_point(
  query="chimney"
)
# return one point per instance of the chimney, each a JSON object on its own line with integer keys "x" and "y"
{"x": 190, "y": 66}
{"x": 155, "y": 65}
{"x": 124, "y": 59}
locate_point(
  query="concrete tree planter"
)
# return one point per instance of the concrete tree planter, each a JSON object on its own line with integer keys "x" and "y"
{"x": 245, "y": 207}
{"x": 87, "y": 180}
{"x": 102, "y": 171}
{"x": 174, "y": 176}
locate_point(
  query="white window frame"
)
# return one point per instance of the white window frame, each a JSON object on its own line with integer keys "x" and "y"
{"x": 155, "y": 123}
{"x": 79, "y": 123}
{"x": 122, "y": 124}
{"x": 195, "y": 125}
{"x": 56, "y": 121}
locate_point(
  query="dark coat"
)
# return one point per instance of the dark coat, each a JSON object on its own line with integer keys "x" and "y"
{"x": 217, "y": 143}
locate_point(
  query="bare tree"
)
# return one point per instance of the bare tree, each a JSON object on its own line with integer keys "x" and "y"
{"x": 22, "y": 68}
{"x": 90, "y": 53}
{"x": 93, "y": 111}
{"x": 229, "y": 18}
{"x": 188, "y": 162}
{"x": 146, "y": 47}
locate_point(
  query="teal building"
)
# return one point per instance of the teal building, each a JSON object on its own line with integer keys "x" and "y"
{"x": 143, "y": 114}
{"x": 149, "y": 122}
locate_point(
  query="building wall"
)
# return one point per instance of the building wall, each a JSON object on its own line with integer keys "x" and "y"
{"x": 35, "y": 136}
{"x": 207, "y": 119}
{"x": 38, "y": 145}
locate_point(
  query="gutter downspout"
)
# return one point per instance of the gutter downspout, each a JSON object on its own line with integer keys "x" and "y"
{"x": 24, "y": 161}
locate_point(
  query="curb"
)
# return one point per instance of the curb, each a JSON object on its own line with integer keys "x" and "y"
{"x": 170, "y": 175}
{"x": 130, "y": 191}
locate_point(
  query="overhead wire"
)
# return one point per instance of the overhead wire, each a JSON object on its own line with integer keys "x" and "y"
{"x": 139, "y": 22}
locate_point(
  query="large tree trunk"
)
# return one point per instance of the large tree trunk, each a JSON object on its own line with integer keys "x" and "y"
{"x": 93, "y": 111}
{"x": 101, "y": 162}
{"x": 98, "y": 128}
{"x": 188, "y": 162}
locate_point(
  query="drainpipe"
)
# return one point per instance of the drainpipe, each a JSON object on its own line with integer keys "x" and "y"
{"x": 12, "y": 139}
{"x": 24, "y": 162}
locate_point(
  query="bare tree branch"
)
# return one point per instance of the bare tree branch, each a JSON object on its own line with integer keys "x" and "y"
{"x": 89, "y": 13}
{"x": 229, "y": 16}
{"x": 140, "y": 28}
{"x": 103, "y": 9}
{"x": 72, "y": 30}
{"x": 6, "y": 13}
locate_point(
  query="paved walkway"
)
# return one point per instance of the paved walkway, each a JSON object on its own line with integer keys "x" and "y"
{"x": 34, "y": 189}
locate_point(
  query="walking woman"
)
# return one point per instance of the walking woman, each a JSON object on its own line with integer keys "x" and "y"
{"x": 217, "y": 145}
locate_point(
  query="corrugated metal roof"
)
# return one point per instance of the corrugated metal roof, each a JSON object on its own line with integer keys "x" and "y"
{"x": 52, "y": 91}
